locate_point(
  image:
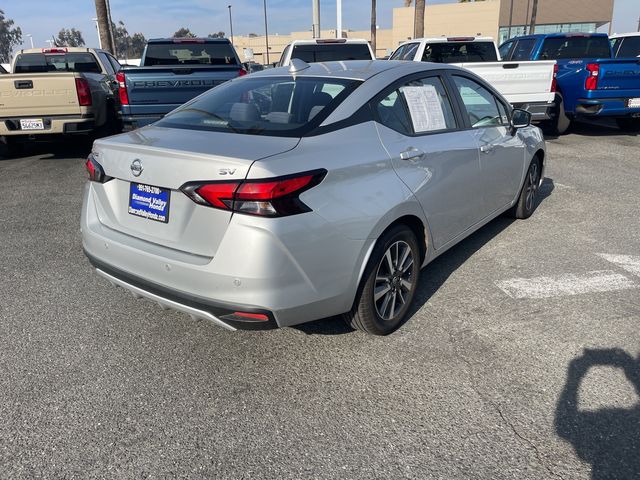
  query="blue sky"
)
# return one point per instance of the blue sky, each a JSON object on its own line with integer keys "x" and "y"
{"x": 159, "y": 18}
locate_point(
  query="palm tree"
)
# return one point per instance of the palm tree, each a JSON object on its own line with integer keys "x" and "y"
{"x": 373, "y": 27}
{"x": 419, "y": 12}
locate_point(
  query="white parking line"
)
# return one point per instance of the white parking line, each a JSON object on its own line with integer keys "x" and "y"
{"x": 567, "y": 284}
{"x": 627, "y": 262}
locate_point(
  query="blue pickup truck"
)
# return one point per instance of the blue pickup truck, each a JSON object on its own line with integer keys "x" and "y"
{"x": 590, "y": 81}
{"x": 172, "y": 72}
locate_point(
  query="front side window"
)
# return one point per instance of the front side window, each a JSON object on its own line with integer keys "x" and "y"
{"x": 397, "y": 55}
{"x": 504, "y": 50}
{"x": 277, "y": 106}
{"x": 410, "y": 52}
{"x": 419, "y": 106}
{"x": 481, "y": 106}
{"x": 107, "y": 64}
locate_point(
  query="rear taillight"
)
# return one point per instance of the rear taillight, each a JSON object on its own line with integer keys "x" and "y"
{"x": 242, "y": 72}
{"x": 84, "y": 92}
{"x": 273, "y": 197}
{"x": 554, "y": 82}
{"x": 122, "y": 88}
{"x": 592, "y": 80}
{"x": 95, "y": 170}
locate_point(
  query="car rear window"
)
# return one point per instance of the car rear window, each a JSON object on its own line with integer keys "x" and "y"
{"x": 459, "y": 52}
{"x": 67, "y": 62}
{"x": 626, "y": 47}
{"x": 331, "y": 52}
{"x": 575, "y": 47}
{"x": 189, "y": 53}
{"x": 275, "y": 106}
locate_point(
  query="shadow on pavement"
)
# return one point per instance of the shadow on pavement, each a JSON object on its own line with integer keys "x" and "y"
{"x": 608, "y": 438}
{"x": 49, "y": 150}
{"x": 594, "y": 128}
{"x": 437, "y": 272}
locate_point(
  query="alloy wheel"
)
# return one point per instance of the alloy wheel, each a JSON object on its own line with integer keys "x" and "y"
{"x": 394, "y": 280}
{"x": 532, "y": 186}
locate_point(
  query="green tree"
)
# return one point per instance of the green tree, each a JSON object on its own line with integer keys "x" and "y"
{"x": 69, "y": 38}
{"x": 184, "y": 33}
{"x": 217, "y": 35}
{"x": 10, "y": 37}
{"x": 121, "y": 38}
{"x": 136, "y": 47}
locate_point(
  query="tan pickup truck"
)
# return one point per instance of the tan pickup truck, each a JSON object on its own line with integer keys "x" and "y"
{"x": 58, "y": 91}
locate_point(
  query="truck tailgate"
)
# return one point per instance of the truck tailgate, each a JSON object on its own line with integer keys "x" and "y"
{"x": 519, "y": 82}
{"x": 38, "y": 94}
{"x": 621, "y": 76}
{"x": 160, "y": 89}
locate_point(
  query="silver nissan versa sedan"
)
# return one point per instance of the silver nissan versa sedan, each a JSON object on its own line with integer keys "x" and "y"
{"x": 307, "y": 191}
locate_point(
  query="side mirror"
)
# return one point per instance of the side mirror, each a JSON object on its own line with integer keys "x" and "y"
{"x": 520, "y": 119}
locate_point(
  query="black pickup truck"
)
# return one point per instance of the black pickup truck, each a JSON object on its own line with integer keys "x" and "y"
{"x": 172, "y": 72}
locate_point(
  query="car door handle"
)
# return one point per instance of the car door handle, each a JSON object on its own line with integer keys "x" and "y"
{"x": 411, "y": 154}
{"x": 487, "y": 148}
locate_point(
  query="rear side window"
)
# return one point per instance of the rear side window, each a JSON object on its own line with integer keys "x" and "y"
{"x": 189, "y": 53}
{"x": 69, "y": 62}
{"x": 523, "y": 49}
{"x": 419, "y": 106}
{"x": 331, "y": 52}
{"x": 275, "y": 106}
{"x": 627, "y": 47}
{"x": 480, "y": 104}
{"x": 397, "y": 55}
{"x": 458, "y": 52}
{"x": 575, "y": 47}
{"x": 107, "y": 64}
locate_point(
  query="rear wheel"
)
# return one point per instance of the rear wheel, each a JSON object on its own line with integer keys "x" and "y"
{"x": 527, "y": 201}
{"x": 629, "y": 124}
{"x": 560, "y": 123}
{"x": 389, "y": 283}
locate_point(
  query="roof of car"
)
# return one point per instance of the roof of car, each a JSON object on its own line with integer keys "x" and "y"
{"x": 353, "y": 69}
{"x": 189, "y": 40}
{"x": 623, "y": 35}
{"x": 559, "y": 35}
{"x": 59, "y": 49}
{"x": 330, "y": 41}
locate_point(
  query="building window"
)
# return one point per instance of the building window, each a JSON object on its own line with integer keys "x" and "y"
{"x": 519, "y": 30}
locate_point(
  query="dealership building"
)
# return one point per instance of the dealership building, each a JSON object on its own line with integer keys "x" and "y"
{"x": 494, "y": 18}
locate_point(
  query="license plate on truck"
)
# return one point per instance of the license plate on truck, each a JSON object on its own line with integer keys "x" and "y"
{"x": 150, "y": 202}
{"x": 633, "y": 103}
{"x": 31, "y": 124}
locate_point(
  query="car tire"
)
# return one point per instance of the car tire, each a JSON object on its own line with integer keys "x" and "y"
{"x": 628, "y": 124}
{"x": 387, "y": 289}
{"x": 527, "y": 200}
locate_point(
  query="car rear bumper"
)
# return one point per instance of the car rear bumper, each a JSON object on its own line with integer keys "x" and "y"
{"x": 306, "y": 273}
{"x": 538, "y": 111}
{"x": 53, "y": 125}
{"x": 611, "y": 107}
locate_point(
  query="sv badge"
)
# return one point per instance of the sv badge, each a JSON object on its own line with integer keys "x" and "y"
{"x": 227, "y": 171}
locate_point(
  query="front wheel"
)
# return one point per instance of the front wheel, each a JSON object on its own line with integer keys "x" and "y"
{"x": 629, "y": 124}
{"x": 527, "y": 201}
{"x": 389, "y": 283}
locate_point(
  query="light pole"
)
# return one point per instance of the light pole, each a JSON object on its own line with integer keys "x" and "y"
{"x": 230, "y": 23}
{"x": 95, "y": 20}
{"x": 266, "y": 31}
{"x": 30, "y": 38}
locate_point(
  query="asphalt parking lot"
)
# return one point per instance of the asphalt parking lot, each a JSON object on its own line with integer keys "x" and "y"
{"x": 521, "y": 361}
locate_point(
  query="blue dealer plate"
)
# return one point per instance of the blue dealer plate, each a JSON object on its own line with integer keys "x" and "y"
{"x": 149, "y": 202}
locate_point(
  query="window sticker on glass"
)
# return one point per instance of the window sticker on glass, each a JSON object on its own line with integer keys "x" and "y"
{"x": 425, "y": 108}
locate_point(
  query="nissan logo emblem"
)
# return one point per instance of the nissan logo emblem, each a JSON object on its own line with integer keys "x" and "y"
{"x": 136, "y": 167}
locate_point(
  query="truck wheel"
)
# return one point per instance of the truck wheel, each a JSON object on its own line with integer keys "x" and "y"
{"x": 388, "y": 285}
{"x": 13, "y": 147}
{"x": 111, "y": 125}
{"x": 560, "y": 123}
{"x": 629, "y": 124}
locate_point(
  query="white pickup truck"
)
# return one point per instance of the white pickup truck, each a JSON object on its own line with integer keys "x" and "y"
{"x": 526, "y": 85}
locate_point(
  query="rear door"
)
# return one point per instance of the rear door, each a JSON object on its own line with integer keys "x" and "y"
{"x": 501, "y": 153}
{"x": 432, "y": 155}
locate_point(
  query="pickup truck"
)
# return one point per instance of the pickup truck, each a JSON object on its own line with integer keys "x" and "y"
{"x": 172, "y": 72}
{"x": 327, "y": 50}
{"x": 626, "y": 45}
{"x": 58, "y": 91}
{"x": 526, "y": 85}
{"x": 591, "y": 83}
